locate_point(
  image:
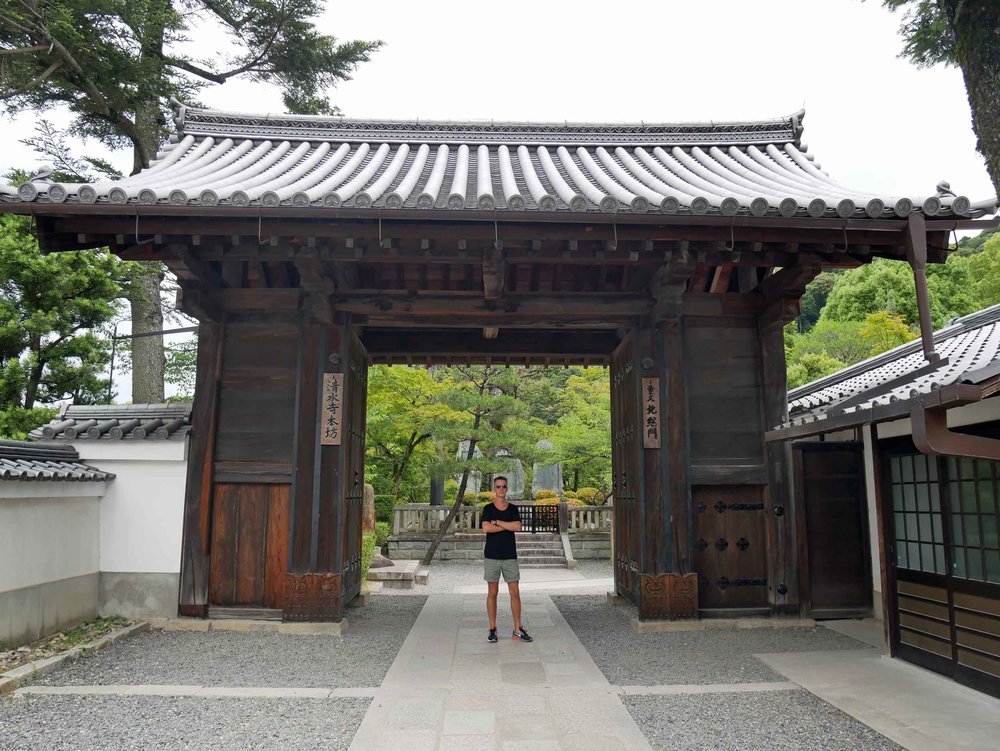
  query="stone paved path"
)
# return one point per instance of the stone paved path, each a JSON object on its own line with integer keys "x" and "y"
{"x": 451, "y": 689}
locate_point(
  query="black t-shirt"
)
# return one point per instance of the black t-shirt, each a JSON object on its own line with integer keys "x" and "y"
{"x": 501, "y": 546}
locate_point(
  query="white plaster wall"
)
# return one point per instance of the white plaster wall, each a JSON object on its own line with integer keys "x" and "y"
{"x": 142, "y": 513}
{"x": 48, "y": 532}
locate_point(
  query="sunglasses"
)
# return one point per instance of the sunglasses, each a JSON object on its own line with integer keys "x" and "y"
{"x": 499, "y": 487}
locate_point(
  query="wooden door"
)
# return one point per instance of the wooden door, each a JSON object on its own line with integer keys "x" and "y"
{"x": 354, "y": 476}
{"x": 626, "y": 445}
{"x": 730, "y": 549}
{"x": 249, "y": 545}
{"x": 835, "y": 560}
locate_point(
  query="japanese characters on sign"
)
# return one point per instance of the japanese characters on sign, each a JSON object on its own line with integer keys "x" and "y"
{"x": 650, "y": 416}
{"x": 332, "y": 423}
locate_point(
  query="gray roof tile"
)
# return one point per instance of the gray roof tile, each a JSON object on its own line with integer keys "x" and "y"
{"x": 118, "y": 422}
{"x": 26, "y": 461}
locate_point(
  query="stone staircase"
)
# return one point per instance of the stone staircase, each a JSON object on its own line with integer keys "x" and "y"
{"x": 540, "y": 550}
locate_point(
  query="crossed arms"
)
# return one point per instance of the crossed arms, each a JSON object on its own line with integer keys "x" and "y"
{"x": 490, "y": 527}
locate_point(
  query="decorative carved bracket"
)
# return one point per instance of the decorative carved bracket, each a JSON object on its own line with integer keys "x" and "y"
{"x": 669, "y": 597}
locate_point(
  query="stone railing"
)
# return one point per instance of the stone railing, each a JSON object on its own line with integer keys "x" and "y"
{"x": 589, "y": 518}
{"x": 421, "y": 519}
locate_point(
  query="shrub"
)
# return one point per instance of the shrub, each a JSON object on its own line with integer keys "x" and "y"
{"x": 384, "y": 504}
{"x": 547, "y": 501}
{"x": 469, "y": 499}
{"x": 539, "y": 495}
{"x": 574, "y": 502}
{"x": 590, "y": 496}
{"x": 382, "y": 531}
{"x": 367, "y": 553}
{"x": 570, "y": 494}
{"x": 450, "y": 491}
{"x": 485, "y": 497}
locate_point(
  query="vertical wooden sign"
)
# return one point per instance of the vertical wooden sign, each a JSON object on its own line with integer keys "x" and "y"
{"x": 650, "y": 413}
{"x": 332, "y": 425}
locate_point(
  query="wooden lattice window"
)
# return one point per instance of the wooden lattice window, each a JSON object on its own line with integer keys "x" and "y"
{"x": 919, "y": 521}
{"x": 972, "y": 498}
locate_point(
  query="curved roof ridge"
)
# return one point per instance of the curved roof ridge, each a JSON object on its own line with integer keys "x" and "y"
{"x": 204, "y": 121}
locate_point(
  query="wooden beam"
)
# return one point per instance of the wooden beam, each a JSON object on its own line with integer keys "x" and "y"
{"x": 494, "y": 272}
{"x": 396, "y": 343}
{"x": 510, "y": 307}
{"x": 720, "y": 280}
{"x": 195, "y": 301}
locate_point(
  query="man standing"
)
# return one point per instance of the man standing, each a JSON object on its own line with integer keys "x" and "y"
{"x": 500, "y": 521}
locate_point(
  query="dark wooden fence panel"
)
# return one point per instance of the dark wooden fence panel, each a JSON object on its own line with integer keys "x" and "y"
{"x": 626, "y": 446}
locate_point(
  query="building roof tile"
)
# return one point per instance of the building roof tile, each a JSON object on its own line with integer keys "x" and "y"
{"x": 27, "y": 461}
{"x": 227, "y": 159}
{"x": 118, "y": 422}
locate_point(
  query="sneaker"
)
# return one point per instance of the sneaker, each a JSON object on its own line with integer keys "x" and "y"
{"x": 521, "y": 635}
{"x": 492, "y": 638}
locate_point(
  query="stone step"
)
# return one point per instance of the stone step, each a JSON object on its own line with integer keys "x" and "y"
{"x": 544, "y": 565}
{"x": 555, "y": 548}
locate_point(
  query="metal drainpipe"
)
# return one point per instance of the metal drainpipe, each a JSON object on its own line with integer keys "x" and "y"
{"x": 931, "y": 436}
{"x": 916, "y": 254}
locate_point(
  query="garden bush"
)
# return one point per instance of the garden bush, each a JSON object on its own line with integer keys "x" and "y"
{"x": 469, "y": 499}
{"x": 570, "y": 494}
{"x": 384, "y": 504}
{"x": 590, "y": 495}
{"x": 539, "y": 495}
{"x": 450, "y": 490}
{"x": 547, "y": 500}
{"x": 367, "y": 553}
{"x": 382, "y": 531}
{"x": 485, "y": 496}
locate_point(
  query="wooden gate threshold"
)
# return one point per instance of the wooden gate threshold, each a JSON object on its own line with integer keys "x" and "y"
{"x": 216, "y": 612}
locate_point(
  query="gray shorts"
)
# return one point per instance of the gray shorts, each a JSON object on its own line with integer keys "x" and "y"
{"x": 509, "y": 568}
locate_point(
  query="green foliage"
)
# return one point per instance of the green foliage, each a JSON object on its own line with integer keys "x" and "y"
{"x": 485, "y": 496}
{"x": 883, "y": 331}
{"x": 582, "y": 435}
{"x": 839, "y": 340}
{"x": 51, "y": 308}
{"x": 590, "y": 496}
{"x": 382, "y": 532}
{"x": 471, "y": 499}
{"x": 885, "y": 285}
{"x": 450, "y": 488}
{"x": 16, "y": 422}
{"x": 811, "y": 366}
{"x": 541, "y": 494}
{"x": 969, "y": 246}
{"x": 984, "y": 271}
{"x": 928, "y": 37}
{"x": 115, "y": 65}
{"x": 367, "y": 553}
{"x": 814, "y": 298}
{"x": 570, "y": 494}
{"x": 384, "y": 505}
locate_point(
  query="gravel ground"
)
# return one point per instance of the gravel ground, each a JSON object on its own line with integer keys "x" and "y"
{"x": 775, "y": 721}
{"x": 126, "y": 723}
{"x": 225, "y": 658}
{"x": 448, "y": 576}
{"x": 717, "y": 656}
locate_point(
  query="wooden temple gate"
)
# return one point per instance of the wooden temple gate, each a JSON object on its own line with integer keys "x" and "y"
{"x": 315, "y": 248}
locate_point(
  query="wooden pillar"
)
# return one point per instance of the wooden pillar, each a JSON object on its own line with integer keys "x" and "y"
{"x": 193, "y": 596}
{"x": 669, "y": 587}
{"x": 328, "y": 479}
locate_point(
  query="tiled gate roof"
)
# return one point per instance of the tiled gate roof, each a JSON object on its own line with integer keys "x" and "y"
{"x": 223, "y": 159}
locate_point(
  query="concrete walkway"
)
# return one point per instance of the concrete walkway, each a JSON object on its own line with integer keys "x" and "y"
{"x": 451, "y": 689}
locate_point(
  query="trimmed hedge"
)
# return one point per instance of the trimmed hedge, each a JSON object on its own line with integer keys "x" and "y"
{"x": 546, "y": 494}
{"x": 570, "y": 494}
{"x": 382, "y": 531}
{"x": 469, "y": 499}
{"x": 485, "y": 497}
{"x": 367, "y": 554}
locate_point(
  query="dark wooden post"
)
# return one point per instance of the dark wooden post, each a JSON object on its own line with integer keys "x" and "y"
{"x": 669, "y": 588}
{"x": 193, "y": 596}
{"x": 916, "y": 254}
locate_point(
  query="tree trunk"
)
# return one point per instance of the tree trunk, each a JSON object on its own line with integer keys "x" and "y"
{"x": 976, "y": 24}
{"x": 446, "y": 524}
{"x": 144, "y": 300}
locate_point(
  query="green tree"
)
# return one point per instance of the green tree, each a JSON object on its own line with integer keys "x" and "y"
{"x": 840, "y": 340}
{"x": 984, "y": 271}
{"x": 811, "y": 366}
{"x": 583, "y": 434}
{"x": 962, "y": 33}
{"x": 51, "y": 307}
{"x": 814, "y": 298}
{"x": 116, "y": 66}
{"x": 883, "y": 331}
{"x": 886, "y": 285}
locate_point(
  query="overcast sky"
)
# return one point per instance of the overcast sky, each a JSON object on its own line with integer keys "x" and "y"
{"x": 874, "y": 122}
